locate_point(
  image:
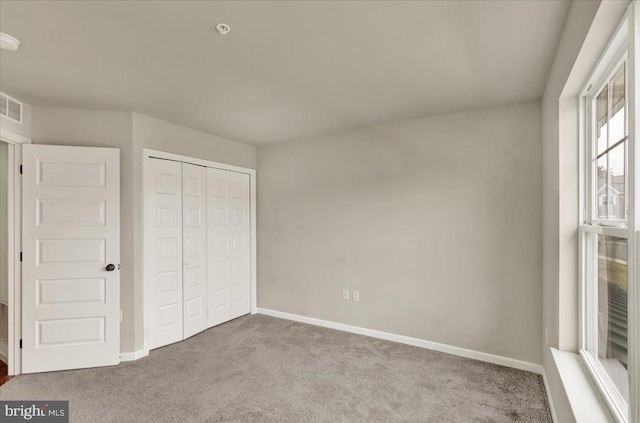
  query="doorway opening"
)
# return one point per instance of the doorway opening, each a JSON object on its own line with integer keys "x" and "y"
{"x": 10, "y": 247}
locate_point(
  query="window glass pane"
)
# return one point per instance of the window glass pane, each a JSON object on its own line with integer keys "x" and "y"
{"x": 617, "y": 127}
{"x": 617, "y": 183}
{"x": 601, "y": 119}
{"x": 612, "y": 310}
{"x": 617, "y": 91}
{"x": 602, "y": 191}
{"x": 617, "y": 124}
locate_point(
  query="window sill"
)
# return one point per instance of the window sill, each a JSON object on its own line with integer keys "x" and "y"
{"x": 587, "y": 404}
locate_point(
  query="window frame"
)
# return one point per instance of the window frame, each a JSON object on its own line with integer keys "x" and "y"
{"x": 616, "y": 54}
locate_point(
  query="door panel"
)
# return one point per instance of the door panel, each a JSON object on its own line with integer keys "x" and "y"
{"x": 240, "y": 276}
{"x": 163, "y": 201}
{"x": 228, "y": 229}
{"x": 194, "y": 203}
{"x": 218, "y": 231}
{"x": 71, "y": 231}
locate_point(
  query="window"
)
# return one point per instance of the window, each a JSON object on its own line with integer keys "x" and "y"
{"x": 605, "y": 233}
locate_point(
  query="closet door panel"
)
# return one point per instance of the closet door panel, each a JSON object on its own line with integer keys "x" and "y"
{"x": 219, "y": 241}
{"x": 240, "y": 278}
{"x": 194, "y": 250}
{"x": 164, "y": 227}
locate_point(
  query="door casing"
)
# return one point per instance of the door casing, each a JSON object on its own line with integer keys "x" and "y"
{"x": 14, "y": 194}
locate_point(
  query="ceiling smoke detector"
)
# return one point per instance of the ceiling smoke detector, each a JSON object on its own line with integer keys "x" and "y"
{"x": 7, "y": 42}
{"x": 223, "y": 28}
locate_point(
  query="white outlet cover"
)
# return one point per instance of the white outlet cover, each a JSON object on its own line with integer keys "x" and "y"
{"x": 345, "y": 294}
{"x": 356, "y": 296}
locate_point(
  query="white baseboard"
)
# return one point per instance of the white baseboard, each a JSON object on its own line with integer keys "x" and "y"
{"x": 554, "y": 417}
{"x": 416, "y": 342}
{"x": 132, "y": 356}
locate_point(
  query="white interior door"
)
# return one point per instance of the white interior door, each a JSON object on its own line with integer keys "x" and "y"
{"x": 194, "y": 206}
{"x": 163, "y": 203}
{"x": 71, "y": 253}
{"x": 228, "y": 235}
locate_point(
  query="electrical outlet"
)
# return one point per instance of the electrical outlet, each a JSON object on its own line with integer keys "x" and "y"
{"x": 345, "y": 294}
{"x": 356, "y": 296}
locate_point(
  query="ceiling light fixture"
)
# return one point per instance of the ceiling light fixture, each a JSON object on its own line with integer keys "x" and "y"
{"x": 7, "y": 42}
{"x": 223, "y": 28}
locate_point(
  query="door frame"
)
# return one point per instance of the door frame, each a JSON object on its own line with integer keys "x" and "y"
{"x": 14, "y": 246}
{"x": 147, "y": 154}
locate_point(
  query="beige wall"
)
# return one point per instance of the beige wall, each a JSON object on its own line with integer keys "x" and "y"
{"x": 130, "y": 133}
{"x": 165, "y": 136}
{"x": 436, "y": 221}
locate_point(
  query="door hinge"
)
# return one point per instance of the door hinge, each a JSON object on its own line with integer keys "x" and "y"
{"x": 20, "y": 342}
{"x": 20, "y": 255}
{"x": 20, "y": 169}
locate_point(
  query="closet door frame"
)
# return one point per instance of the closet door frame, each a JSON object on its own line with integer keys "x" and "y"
{"x": 148, "y": 154}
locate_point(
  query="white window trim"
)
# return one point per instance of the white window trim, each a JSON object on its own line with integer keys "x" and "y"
{"x": 619, "y": 49}
{"x": 634, "y": 216}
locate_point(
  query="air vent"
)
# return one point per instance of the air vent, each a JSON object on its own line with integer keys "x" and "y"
{"x": 10, "y": 108}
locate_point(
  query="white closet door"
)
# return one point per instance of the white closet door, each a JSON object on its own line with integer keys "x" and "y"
{"x": 228, "y": 235}
{"x": 194, "y": 206}
{"x": 164, "y": 227}
{"x": 218, "y": 233}
{"x": 240, "y": 239}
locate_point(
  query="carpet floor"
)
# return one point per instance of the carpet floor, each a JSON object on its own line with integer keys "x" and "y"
{"x": 263, "y": 369}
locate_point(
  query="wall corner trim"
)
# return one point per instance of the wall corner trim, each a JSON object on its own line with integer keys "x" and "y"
{"x": 416, "y": 342}
{"x": 133, "y": 356}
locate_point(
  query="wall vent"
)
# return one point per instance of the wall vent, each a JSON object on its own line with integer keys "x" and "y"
{"x": 10, "y": 108}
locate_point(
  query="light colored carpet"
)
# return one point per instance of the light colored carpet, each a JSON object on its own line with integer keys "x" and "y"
{"x": 262, "y": 369}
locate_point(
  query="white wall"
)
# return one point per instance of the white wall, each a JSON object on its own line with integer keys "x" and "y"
{"x": 130, "y": 133}
{"x": 436, "y": 221}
